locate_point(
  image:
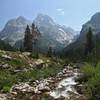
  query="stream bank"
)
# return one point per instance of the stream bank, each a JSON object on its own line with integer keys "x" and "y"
{"x": 60, "y": 87}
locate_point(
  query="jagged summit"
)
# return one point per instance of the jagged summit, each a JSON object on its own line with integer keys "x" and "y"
{"x": 14, "y": 30}
{"x": 21, "y": 19}
{"x": 96, "y": 18}
{"x": 94, "y": 23}
{"x": 55, "y": 34}
{"x": 44, "y": 16}
{"x": 51, "y": 32}
{"x": 44, "y": 20}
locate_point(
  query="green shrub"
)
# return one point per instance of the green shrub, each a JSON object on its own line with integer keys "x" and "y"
{"x": 93, "y": 80}
{"x": 34, "y": 55}
{"x": 16, "y": 62}
{"x": 8, "y": 77}
{"x": 6, "y": 89}
{"x": 89, "y": 70}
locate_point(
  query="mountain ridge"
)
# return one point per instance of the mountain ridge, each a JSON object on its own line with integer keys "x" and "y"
{"x": 52, "y": 33}
{"x": 78, "y": 46}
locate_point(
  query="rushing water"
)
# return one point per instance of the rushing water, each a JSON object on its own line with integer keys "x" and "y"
{"x": 64, "y": 87}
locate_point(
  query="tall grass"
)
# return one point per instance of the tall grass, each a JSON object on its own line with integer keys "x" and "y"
{"x": 92, "y": 75}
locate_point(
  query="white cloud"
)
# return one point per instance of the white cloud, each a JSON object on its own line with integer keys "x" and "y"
{"x": 61, "y": 11}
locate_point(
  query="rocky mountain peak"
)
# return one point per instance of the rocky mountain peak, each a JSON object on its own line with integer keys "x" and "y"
{"x": 43, "y": 20}
{"x": 96, "y": 18}
{"x": 21, "y": 19}
{"x": 43, "y": 17}
{"x": 51, "y": 32}
{"x": 14, "y": 30}
{"x": 94, "y": 23}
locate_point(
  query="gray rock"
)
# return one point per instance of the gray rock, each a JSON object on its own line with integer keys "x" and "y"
{"x": 5, "y": 66}
{"x": 39, "y": 63}
{"x": 3, "y": 97}
{"x": 26, "y": 53}
{"x": 6, "y": 57}
{"x": 23, "y": 87}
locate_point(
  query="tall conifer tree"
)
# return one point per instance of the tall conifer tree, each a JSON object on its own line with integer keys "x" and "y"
{"x": 28, "y": 42}
{"x": 89, "y": 42}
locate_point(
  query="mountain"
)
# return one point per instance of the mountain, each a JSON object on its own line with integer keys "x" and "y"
{"x": 52, "y": 34}
{"x": 94, "y": 23}
{"x": 14, "y": 30}
{"x": 78, "y": 46}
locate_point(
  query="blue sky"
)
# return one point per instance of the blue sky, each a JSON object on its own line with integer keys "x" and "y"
{"x": 71, "y": 13}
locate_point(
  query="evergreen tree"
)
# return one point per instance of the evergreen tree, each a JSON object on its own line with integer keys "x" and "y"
{"x": 33, "y": 30}
{"x": 50, "y": 51}
{"x": 89, "y": 42}
{"x": 28, "y": 42}
{"x": 35, "y": 34}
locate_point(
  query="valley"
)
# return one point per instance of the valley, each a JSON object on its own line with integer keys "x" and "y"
{"x": 38, "y": 79}
{"x": 43, "y": 60}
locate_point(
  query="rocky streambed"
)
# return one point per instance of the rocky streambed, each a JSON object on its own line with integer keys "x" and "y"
{"x": 65, "y": 88}
{"x": 60, "y": 87}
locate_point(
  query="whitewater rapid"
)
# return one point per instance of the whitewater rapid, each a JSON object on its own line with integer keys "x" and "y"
{"x": 65, "y": 87}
